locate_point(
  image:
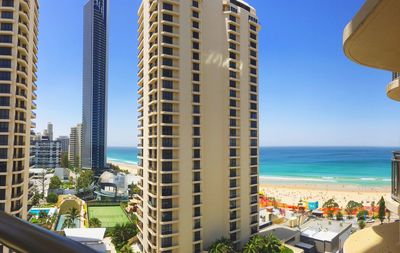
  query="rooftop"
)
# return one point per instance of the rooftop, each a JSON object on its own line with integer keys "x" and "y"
{"x": 323, "y": 230}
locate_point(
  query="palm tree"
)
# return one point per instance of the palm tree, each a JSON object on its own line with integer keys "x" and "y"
{"x": 121, "y": 234}
{"x": 222, "y": 245}
{"x": 71, "y": 216}
{"x": 94, "y": 223}
{"x": 272, "y": 244}
{"x": 254, "y": 245}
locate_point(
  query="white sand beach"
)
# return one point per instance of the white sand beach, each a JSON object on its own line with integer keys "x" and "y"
{"x": 132, "y": 168}
{"x": 292, "y": 194}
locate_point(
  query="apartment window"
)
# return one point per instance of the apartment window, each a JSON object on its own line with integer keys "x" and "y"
{"x": 253, "y": 27}
{"x": 196, "y": 77}
{"x": 4, "y": 101}
{"x": 6, "y": 26}
{"x": 195, "y": 4}
{"x": 195, "y": 24}
{"x": 232, "y": 122}
{"x": 196, "y": 109}
{"x": 196, "y": 87}
{"x": 197, "y": 248}
{"x": 253, "y": 53}
{"x": 253, "y": 79}
{"x": 5, "y": 50}
{"x": 232, "y": 18}
{"x": 232, "y": 36}
{"x": 232, "y": 152}
{"x": 168, "y": 119}
{"x": 253, "y": 36}
{"x": 195, "y": 45}
{"x": 253, "y": 45}
{"x": 253, "y": 88}
{"x": 196, "y": 56}
{"x": 196, "y": 66}
{"x": 232, "y": 113}
{"x": 253, "y": 124}
{"x": 168, "y": 39}
{"x": 196, "y": 98}
{"x": 253, "y": 97}
{"x": 5, "y": 75}
{"x": 5, "y": 63}
{"x": 195, "y": 14}
{"x": 5, "y": 38}
{"x": 196, "y": 131}
{"x": 167, "y": 62}
{"x": 232, "y": 46}
{"x": 167, "y": 84}
{"x": 232, "y": 132}
{"x": 168, "y": 50}
{"x": 232, "y": 64}
{"x": 197, "y": 212}
{"x": 167, "y": 6}
{"x": 3, "y": 178}
{"x": 167, "y": 73}
{"x": 253, "y": 106}
{"x": 232, "y": 27}
{"x": 232, "y": 142}
{"x": 7, "y": 14}
{"x": 253, "y": 133}
{"x": 168, "y": 28}
{"x": 3, "y": 155}
{"x": 166, "y": 95}
{"x": 232, "y": 55}
{"x": 253, "y": 142}
{"x": 167, "y": 130}
{"x": 196, "y": 165}
{"x": 196, "y": 120}
{"x": 3, "y": 127}
{"x": 196, "y": 142}
{"x": 195, "y": 35}
{"x": 166, "y": 166}
{"x": 196, "y": 153}
{"x": 3, "y": 139}
{"x": 167, "y": 107}
{"x": 232, "y": 93}
{"x": 168, "y": 17}
{"x": 253, "y": 62}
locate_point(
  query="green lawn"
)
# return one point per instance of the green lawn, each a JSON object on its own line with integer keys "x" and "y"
{"x": 108, "y": 215}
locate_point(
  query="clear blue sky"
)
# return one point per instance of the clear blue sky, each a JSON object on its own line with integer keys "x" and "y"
{"x": 310, "y": 93}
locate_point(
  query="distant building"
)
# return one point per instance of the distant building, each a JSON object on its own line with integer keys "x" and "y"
{"x": 323, "y": 235}
{"x": 47, "y": 153}
{"x": 75, "y": 146}
{"x": 50, "y": 130}
{"x": 64, "y": 140}
{"x": 95, "y": 58}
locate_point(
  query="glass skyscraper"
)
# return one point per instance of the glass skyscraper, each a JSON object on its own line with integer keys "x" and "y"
{"x": 95, "y": 61}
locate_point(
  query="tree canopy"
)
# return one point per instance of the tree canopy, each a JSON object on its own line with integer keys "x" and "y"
{"x": 55, "y": 183}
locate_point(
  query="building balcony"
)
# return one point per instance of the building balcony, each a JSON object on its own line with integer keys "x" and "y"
{"x": 371, "y": 39}
{"x": 381, "y": 238}
{"x": 22, "y": 236}
{"x": 393, "y": 89}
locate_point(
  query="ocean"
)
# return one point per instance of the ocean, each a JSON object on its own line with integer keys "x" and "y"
{"x": 365, "y": 166}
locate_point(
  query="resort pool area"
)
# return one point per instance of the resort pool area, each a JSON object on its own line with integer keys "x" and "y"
{"x": 61, "y": 220}
{"x": 49, "y": 211}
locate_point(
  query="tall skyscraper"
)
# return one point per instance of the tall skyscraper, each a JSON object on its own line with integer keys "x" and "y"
{"x": 50, "y": 131}
{"x": 18, "y": 60}
{"x": 75, "y": 146}
{"x": 95, "y": 60}
{"x": 198, "y": 124}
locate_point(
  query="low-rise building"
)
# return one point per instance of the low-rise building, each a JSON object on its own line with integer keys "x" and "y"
{"x": 323, "y": 235}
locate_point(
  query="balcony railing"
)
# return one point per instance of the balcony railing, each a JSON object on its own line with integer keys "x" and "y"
{"x": 22, "y": 236}
{"x": 396, "y": 176}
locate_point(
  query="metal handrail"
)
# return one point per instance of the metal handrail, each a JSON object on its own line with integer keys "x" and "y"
{"x": 24, "y": 237}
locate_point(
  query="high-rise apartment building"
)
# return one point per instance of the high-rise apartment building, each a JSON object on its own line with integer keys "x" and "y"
{"x": 95, "y": 60}
{"x": 18, "y": 59}
{"x": 198, "y": 123}
{"x": 75, "y": 146}
{"x": 64, "y": 140}
{"x": 47, "y": 153}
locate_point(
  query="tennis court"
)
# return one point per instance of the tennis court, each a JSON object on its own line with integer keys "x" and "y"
{"x": 108, "y": 215}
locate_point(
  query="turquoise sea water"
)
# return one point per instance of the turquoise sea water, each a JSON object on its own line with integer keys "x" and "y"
{"x": 368, "y": 166}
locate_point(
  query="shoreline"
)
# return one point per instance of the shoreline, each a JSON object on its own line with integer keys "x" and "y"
{"x": 130, "y": 167}
{"x": 292, "y": 194}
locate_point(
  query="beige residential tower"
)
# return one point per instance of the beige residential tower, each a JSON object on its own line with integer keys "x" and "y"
{"x": 198, "y": 123}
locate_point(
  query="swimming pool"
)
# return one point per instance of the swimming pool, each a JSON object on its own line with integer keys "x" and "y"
{"x": 49, "y": 211}
{"x": 61, "y": 220}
